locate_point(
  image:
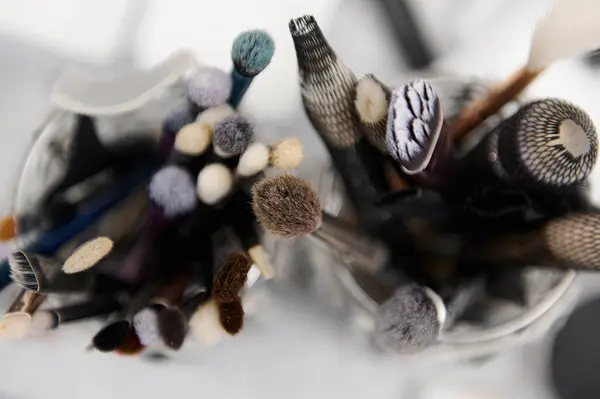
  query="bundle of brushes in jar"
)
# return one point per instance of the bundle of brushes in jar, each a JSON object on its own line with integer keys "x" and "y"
{"x": 436, "y": 231}
{"x": 162, "y": 280}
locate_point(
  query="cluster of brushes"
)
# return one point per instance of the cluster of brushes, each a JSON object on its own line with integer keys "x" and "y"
{"x": 165, "y": 278}
{"x": 434, "y": 231}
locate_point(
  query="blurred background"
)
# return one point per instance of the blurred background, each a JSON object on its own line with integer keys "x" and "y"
{"x": 294, "y": 353}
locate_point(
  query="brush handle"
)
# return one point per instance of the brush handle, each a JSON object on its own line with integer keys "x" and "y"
{"x": 140, "y": 259}
{"x": 26, "y": 302}
{"x": 172, "y": 291}
{"x": 476, "y": 113}
{"x": 354, "y": 248}
{"x": 238, "y": 214}
{"x": 5, "y": 279}
{"x": 240, "y": 85}
{"x": 97, "y": 306}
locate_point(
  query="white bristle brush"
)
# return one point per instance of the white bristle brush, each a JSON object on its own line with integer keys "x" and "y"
{"x": 569, "y": 29}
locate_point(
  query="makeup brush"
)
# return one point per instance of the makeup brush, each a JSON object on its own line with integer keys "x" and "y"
{"x": 215, "y": 182}
{"x": 231, "y": 316}
{"x": 191, "y": 146}
{"x": 568, "y": 30}
{"x": 328, "y": 94}
{"x": 416, "y": 137}
{"x": 131, "y": 346}
{"x": 288, "y": 207}
{"x": 233, "y": 136}
{"x": 214, "y": 115}
{"x": 208, "y": 87}
{"x": 372, "y": 103}
{"x": 205, "y": 324}
{"x": 548, "y": 144}
{"x": 173, "y": 323}
{"x": 172, "y": 196}
{"x": 87, "y": 255}
{"x": 286, "y": 154}
{"x": 231, "y": 278}
{"x": 50, "y": 319}
{"x": 17, "y": 319}
{"x": 251, "y": 53}
{"x": 253, "y": 160}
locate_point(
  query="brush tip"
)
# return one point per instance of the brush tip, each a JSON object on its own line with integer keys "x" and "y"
{"x": 205, "y": 325}
{"x": 209, "y": 87}
{"x": 252, "y": 52}
{"x": 87, "y": 255}
{"x": 15, "y": 325}
{"x": 172, "y": 189}
{"x": 371, "y": 100}
{"x": 21, "y": 271}
{"x": 193, "y": 139}
{"x": 415, "y": 122}
{"x": 410, "y": 320}
{"x": 234, "y": 134}
{"x": 131, "y": 346}
{"x": 231, "y": 278}
{"x": 214, "y": 182}
{"x": 111, "y": 336}
{"x": 286, "y": 206}
{"x": 287, "y": 154}
{"x": 8, "y": 228}
{"x": 254, "y": 160}
{"x": 145, "y": 323}
{"x": 173, "y": 327}
{"x": 231, "y": 316}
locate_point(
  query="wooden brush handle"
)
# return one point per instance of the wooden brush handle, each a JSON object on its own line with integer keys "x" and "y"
{"x": 473, "y": 115}
{"x": 27, "y": 302}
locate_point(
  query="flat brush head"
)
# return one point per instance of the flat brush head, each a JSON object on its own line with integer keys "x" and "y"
{"x": 209, "y": 87}
{"x": 145, "y": 323}
{"x": 252, "y": 52}
{"x": 111, "y": 336}
{"x": 549, "y": 142}
{"x": 411, "y": 319}
{"x": 214, "y": 182}
{"x": 286, "y": 154}
{"x": 231, "y": 316}
{"x": 286, "y": 206}
{"x": 21, "y": 271}
{"x": 87, "y": 255}
{"x": 172, "y": 189}
{"x": 372, "y": 100}
{"x": 231, "y": 277}
{"x": 233, "y": 135}
{"x": 173, "y": 327}
{"x": 575, "y": 239}
{"x": 193, "y": 139}
{"x": 415, "y": 123}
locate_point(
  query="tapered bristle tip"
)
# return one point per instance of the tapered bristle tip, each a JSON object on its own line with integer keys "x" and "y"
{"x": 252, "y": 52}
{"x": 173, "y": 327}
{"x": 111, "y": 337}
{"x": 231, "y": 277}
{"x": 231, "y": 316}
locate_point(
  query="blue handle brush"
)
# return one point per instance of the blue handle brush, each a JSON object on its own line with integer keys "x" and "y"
{"x": 251, "y": 53}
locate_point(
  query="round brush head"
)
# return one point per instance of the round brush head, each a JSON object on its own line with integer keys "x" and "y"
{"x": 22, "y": 273}
{"x": 177, "y": 119}
{"x": 145, "y": 323}
{"x": 372, "y": 100}
{"x": 215, "y": 115}
{"x": 231, "y": 316}
{"x": 205, "y": 325}
{"x": 575, "y": 239}
{"x": 8, "y": 228}
{"x": 252, "y": 52}
{"x": 111, "y": 337}
{"x": 550, "y": 143}
{"x": 286, "y": 206}
{"x": 43, "y": 321}
{"x": 172, "y": 190}
{"x": 208, "y": 87}
{"x": 87, "y": 255}
{"x": 193, "y": 139}
{"x": 214, "y": 183}
{"x": 411, "y": 319}
{"x": 286, "y": 154}
{"x": 415, "y": 123}
{"x": 254, "y": 160}
{"x": 233, "y": 135}
{"x": 231, "y": 278}
{"x": 173, "y": 327}
{"x": 15, "y": 325}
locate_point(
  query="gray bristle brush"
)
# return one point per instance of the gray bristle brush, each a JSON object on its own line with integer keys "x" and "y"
{"x": 372, "y": 103}
{"x": 251, "y": 53}
{"x": 209, "y": 87}
{"x": 233, "y": 136}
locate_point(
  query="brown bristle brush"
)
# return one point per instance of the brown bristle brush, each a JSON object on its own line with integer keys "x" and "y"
{"x": 17, "y": 319}
{"x": 131, "y": 346}
{"x": 231, "y": 278}
{"x": 231, "y": 316}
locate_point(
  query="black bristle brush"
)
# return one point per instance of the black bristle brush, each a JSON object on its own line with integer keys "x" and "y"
{"x": 173, "y": 323}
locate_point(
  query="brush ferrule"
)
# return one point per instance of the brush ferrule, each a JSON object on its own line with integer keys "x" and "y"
{"x": 241, "y": 83}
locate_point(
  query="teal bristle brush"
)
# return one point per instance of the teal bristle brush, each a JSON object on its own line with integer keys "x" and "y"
{"x": 251, "y": 53}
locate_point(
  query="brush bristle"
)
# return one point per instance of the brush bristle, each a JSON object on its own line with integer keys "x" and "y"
{"x": 233, "y": 135}
{"x": 8, "y": 228}
{"x": 205, "y": 325}
{"x": 173, "y": 327}
{"x": 409, "y": 320}
{"x": 254, "y": 160}
{"x": 215, "y": 115}
{"x": 209, "y": 87}
{"x": 193, "y": 139}
{"x": 252, "y": 52}
{"x": 214, "y": 183}
{"x": 287, "y": 154}
{"x": 15, "y": 326}
{"x": 21, "y": 271}
{"x": 87, "y": 255}
{"x": 111, "y": 337}
{"x": 145, "y": 323}
{"x": 43, "y": 321}
{"x": 231, "y": 316}
{"x": 371, "y": 100}
{"x": 177, "y": 119}
{"x": 172, "y": 188}
{"x": 414, "y": 125}
{"x": 131, "y": 346}
{"x": 286, "y": 206}
{"x": 231, "y": 277}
